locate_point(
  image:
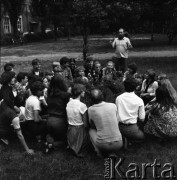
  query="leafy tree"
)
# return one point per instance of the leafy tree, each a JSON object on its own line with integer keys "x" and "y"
{"x": 170, "y": 12}
{"x": 40, "y": 9}
{"x": 87, "y": 12}
{"x": 14, "y": 9}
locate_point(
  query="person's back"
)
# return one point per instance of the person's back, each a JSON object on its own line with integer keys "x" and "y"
{"x": 128, "y": 105}
{"x": 104, "y": 131}
{"x": 130, "y": 110}
{"x": 104, "y": 117}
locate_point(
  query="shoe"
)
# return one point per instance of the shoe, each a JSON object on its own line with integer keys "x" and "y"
{"x": 5, "y": 141}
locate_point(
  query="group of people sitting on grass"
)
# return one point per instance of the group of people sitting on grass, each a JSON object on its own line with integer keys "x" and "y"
{"x": 86, "y": 106}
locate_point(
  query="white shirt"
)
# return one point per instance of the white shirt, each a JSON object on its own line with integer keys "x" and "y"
{"x": 16, "y": 123}
{"x": 151, "y": 89}
{"x": 130, "y": 107}
{"x": 121, "y": 47}
{"x": 75, "y": 109}
{"x": 104, "y": 117}
{"x": 32, "y": 104}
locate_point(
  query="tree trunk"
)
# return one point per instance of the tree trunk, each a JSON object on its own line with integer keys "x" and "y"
{"x": 152, "y": 31}
{"x": 85, "y": 41}
{"x": 13, "y": 21}
{"x": 170, "y": 37}
{"x": 69, "y": 30}
{"x": 55, "y": 32}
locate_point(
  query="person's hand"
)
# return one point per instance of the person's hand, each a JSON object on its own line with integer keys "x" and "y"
{"x": 69, "y": 90}
{"x": 143, "y": 94}
{"x": 17, "y": 110}
{"x": 30, "y": 151}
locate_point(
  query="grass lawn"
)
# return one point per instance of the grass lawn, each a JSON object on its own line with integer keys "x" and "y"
{"x": 14, "y": 164}
{"x": 61, "y": 165}
{"x": 96, "y": 45}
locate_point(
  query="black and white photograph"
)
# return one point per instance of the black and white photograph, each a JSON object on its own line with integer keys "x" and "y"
{"x": 88, "y": 89}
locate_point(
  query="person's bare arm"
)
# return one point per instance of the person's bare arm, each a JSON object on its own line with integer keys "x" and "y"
{"x": 23, "y": 142}
{"x": 37, "y": 117}
{"x": 16, "y": 125}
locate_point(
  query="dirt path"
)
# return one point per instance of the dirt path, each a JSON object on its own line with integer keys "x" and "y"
{"x": 100, "y": 56}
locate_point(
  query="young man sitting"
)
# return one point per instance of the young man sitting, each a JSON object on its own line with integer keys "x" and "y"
{"x": 34, "y": 124}
{"x": 130, "y": 109}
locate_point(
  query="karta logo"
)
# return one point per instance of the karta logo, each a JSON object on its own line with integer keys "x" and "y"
{"x": 114, "y": 170}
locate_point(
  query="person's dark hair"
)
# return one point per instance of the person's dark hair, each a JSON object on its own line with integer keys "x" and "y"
{"x": 164, "y": 99}
{"x": 21, "y": 76}
{"x": 152, "y": 75}
{"x": 48, "y": 73}
{"x": 96, "y": 96}
{"x": 35, "y": 62}
{"x": 8, "y": 67}
{"x": 77, "y": 89}
{"x": 72, "y": 60}
{"x": 6, "y": 77}
{"x": 64, "y": 60}
{"x": 130, "y": 84}
{"x": 133, "y": 67}
{"x": 57, "y": 85}
{"x": 36, "y": 86}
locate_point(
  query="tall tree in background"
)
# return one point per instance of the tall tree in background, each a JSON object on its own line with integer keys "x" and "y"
{"x": 14, "y": 9}
{"x": 40, "y": 9}
{"x": 86, "y": 12}
{"x": 170, "y": 12}
{"x": 56, "y": 12}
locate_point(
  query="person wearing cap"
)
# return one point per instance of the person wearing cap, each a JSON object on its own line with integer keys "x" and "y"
{"x": 9, "y": 67}
{"x": 66, "y": 71}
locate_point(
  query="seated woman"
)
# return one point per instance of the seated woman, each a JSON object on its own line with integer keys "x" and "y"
{"x": 6, "y": 93}
{"x": 164, "y": 81}
{"x": 77, "y": 119}
{"x": 58, "y": 98}
{"x": 162, "y": 117}
{"x": 149, "y": 86}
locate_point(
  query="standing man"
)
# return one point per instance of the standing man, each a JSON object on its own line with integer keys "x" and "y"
{"x": 122, "y": 44}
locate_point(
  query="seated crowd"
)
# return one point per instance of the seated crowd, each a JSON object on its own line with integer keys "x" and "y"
{"x": 86, "y": 106}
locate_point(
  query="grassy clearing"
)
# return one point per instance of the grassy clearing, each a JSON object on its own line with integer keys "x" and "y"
{"x": 62, "y": 165}
{"x": 96, "y": 45}
{"x": 15, "y": 164}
